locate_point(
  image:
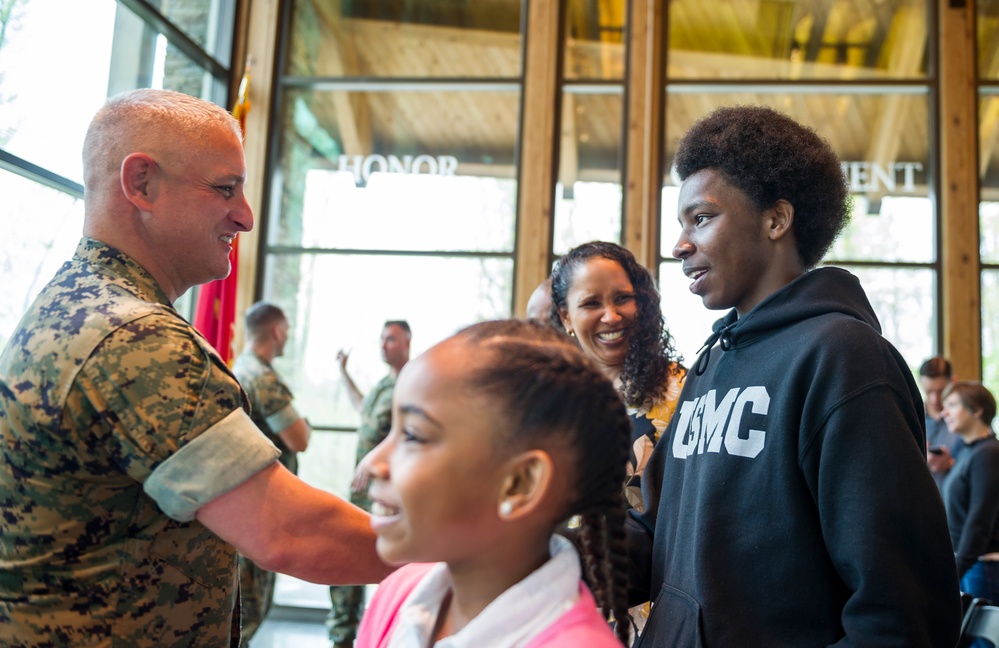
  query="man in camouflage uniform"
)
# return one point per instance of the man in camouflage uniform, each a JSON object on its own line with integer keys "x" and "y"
{"x": 129, "y": 463}
{"x": 376, "y": 419}
{"x": 272, "y": 410}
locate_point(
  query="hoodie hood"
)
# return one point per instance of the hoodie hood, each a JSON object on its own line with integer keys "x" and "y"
{"x": 817, "y": 292}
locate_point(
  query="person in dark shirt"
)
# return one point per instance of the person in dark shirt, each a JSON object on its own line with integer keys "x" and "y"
{"x": 788, "y": 503}
{"x": 942, "y": 445}
{"x": 971, "y": 490}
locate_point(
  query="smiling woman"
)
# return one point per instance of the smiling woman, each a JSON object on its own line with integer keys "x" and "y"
{"x": 609, "y": 303}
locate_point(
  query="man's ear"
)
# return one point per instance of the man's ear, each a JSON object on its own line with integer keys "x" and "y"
{"x": 780, "y": 218}
{"x": 138, "y": 180}
{"x": 529, "y": 480}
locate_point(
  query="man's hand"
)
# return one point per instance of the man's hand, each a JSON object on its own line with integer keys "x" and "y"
{"x": 939, "y": 461}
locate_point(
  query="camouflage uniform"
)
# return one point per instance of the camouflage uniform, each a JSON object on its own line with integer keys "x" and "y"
{"x": 270, "y": 401}
{"x": 271, "y": 409}
{"x": 114, "y": 411}
{"x": 376, "y": 419}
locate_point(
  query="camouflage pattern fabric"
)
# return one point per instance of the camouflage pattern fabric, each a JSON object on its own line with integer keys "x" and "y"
{"x": 256, "y": 596}
{"x": 344, "y": 617}
{"x": 102, "y": 382}
{"x": 267, "y": 395}
{"x": 376, "y": 420}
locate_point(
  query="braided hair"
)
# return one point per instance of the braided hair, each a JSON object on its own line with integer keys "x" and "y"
{"x": 554, "y": 393}
{"x": 652, "y": 355}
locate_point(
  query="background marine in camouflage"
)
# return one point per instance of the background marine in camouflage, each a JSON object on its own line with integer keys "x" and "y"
{"x": 271, "y": 409}
{"x": 376, "y": 420}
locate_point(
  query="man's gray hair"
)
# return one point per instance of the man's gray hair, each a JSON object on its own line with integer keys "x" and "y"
{"x": 147, "y": 120}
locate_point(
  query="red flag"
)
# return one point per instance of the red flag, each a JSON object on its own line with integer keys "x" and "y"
{"x": 215, "y": 314}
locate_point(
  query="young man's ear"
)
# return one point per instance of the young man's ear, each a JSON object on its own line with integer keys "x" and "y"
{"x": 780, "y": 219}
{"x": 526, "y": 486}
{"x": 138, "y": 172}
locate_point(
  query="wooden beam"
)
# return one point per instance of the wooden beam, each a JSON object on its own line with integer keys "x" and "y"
{"x": 645, "y": 108}
{"x": 960, "y": 274}
{"x": 539, "y": 148}
{"x": 261, "y": 45}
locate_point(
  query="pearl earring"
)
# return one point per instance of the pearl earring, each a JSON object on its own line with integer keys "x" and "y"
{"x": 506, "y": 508}
{"x": 572, "y": 334}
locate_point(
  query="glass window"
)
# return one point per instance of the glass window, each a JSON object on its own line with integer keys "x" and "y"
{"x": 589, "y": 194}
{"x": 419, "y": 38}
{"x": 341, "y": 301}
{"x": 207, "y": 22}
{"x": 988, "y": 208}
{"x": 395, "y": 195}
{"x": 887, "y": 167}
{"x": 989, "y": 223}
{"x": 328, "y": 463}
{"x": 987, "y": 24}
{"x": 898, "y": 228}
{"x": 48, "y": 98}
{"x": 33, "y": 248}
{"x": 990, "y": 329}
{"x": 902, "y": 298}
{"x": 882, "y": 140}
{"x": 688, "y": 321}
{"x": 839, "y": 39}
{"x": 142, "y": 57}
{"x": 424, "y": 175}
{"x": 905, "y": 303}
{"x": 594, "y": 48}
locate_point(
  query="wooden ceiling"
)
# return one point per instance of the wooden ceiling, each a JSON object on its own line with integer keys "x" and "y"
{"x": 716, "y": 47}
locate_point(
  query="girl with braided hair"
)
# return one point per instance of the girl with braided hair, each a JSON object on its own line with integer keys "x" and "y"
{"x": 499, "y": 435}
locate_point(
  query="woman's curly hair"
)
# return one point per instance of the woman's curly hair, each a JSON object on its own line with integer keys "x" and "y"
{"x": 652, "y": 355}
{"x": 769, "y": 156}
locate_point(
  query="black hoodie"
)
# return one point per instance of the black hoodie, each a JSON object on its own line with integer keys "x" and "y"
{"x": 789, "y": 503}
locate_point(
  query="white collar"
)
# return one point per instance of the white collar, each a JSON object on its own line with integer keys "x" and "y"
{"x": 511, "y": 620}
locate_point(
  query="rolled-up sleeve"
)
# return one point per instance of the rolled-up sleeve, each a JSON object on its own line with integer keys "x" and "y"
{"x": 216, "y": 461}
{"x": 280, "y": 420}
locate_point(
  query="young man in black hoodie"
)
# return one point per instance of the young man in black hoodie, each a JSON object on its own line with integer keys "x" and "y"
{"x": 789, "y": 503}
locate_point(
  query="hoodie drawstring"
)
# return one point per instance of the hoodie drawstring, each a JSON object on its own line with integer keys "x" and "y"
{"x": 704, "y": 353}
